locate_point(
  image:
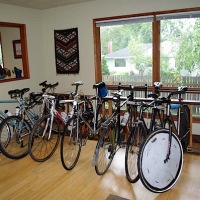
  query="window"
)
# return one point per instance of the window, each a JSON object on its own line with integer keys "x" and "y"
{"x": 179, "y": 51}
{"x": 120, "y": 63}
{"x": 158, "y": 46}
{"x": 161, "y": 46}
{"x": 125, "y": 52}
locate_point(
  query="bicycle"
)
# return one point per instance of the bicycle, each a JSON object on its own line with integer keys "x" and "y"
{"x": 112, "y": 136}
{"x": 45, "y": 135}
{"x": 15, "y": 129}
{"x": 160, "y": 158}
{"x": 85, "y": 122}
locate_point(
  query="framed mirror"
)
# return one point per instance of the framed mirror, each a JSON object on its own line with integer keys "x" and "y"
{"x": 13, "y": 52}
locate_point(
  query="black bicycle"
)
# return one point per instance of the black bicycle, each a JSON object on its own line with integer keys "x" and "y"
{"x": 160, "y": 158}
{"x": 138, "y": 128}
{"x": 84, "y": 122}
{"x": 112, "y": 134}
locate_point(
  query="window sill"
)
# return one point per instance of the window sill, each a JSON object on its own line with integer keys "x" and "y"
{"x": 13, "y": 79}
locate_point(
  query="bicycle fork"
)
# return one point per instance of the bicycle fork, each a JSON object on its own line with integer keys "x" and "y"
{"x": 169, "y": 145}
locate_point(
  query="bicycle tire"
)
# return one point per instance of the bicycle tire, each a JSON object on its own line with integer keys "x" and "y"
{"x": 1, "y": 119}
{"x": 41, "y": 148}
{"x": 14, "y": 137}
{"x": 105, "y": 150}
{"x": 134, "y": 142}
{"x": 155, "y": 174}
{"x": 184, "y": 133}
{"x": 102, "y": 113}
{"x": 71, "y": 144}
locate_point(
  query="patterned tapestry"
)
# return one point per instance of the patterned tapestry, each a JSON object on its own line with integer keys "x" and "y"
{"x": 66, "y": 51}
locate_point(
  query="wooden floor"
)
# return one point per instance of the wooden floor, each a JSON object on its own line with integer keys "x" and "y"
{"x": 26, "y": 179}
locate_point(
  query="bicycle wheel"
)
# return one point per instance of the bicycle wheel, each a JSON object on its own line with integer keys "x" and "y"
{"x": 184, "y": 133}
{"x": 71, "y": 144}
{"x": 105, "y": 150}
{"x": 135, "y": 140}
{"x": 156, "y": 174}
{"x": 43, "y": 141}
{"x": 14, "y": 137}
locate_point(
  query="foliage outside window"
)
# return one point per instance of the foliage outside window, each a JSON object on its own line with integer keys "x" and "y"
{"x": 180, "y": 63}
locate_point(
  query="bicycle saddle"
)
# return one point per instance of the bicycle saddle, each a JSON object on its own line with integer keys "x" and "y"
{"x": 78, "y": 83}
{"x": 99, "y": 85}
{"x": 17, "y": 92}
{"x": 182, "y": 88}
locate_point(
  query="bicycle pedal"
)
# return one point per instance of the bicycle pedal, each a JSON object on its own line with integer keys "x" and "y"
{"x": 84, "y": 141}
{"x": 123, "y": 146}
{"x": 110, "y": 148}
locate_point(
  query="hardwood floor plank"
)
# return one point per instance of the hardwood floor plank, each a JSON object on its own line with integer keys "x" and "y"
{"x": 27, "y": 179}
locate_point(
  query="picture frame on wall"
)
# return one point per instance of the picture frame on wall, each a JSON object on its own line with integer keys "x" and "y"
{"x": 17, "y": 49}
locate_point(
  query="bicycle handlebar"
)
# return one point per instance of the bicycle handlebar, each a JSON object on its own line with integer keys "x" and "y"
{"x": 132, "y": 87}
{"x": 48, "y": 86}
{"x": 181, "y": 90}
{"x": 43, "y": 83}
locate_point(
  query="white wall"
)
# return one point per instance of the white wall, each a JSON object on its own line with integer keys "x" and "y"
{"x": 32, "y": 19}
{"x": 40, "y": 32}
{"x": 81, "y": 16}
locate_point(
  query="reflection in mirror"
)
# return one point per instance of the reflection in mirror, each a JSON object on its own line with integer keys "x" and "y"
{"x": 13, "y": 52}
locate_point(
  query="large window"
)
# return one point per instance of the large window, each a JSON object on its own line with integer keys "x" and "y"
{"x": 161, "y": 46}
{"x": 180, "y": 49}
{"x": 158, "y": 46}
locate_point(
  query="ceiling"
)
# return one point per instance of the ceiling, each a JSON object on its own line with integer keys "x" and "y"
{"x": 42, "y": 4}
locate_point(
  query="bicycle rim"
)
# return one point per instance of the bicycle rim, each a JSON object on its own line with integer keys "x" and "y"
{"x": 14, "y": 137}
{"x": 132, "y": 150}
{"x": 104, "y": 152}
{"x": 156, "y": 175}
{"x": 43, "y": 141}
{"x": 71, "y": 144}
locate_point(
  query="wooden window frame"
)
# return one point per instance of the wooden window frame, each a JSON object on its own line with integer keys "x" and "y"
{"x": 156, "y": 42}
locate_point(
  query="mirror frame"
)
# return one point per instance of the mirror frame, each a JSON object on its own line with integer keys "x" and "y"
{"x": 24, "y": 49}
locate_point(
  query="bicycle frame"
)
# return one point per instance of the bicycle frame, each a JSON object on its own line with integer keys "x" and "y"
{"x": 172, "y": 127}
